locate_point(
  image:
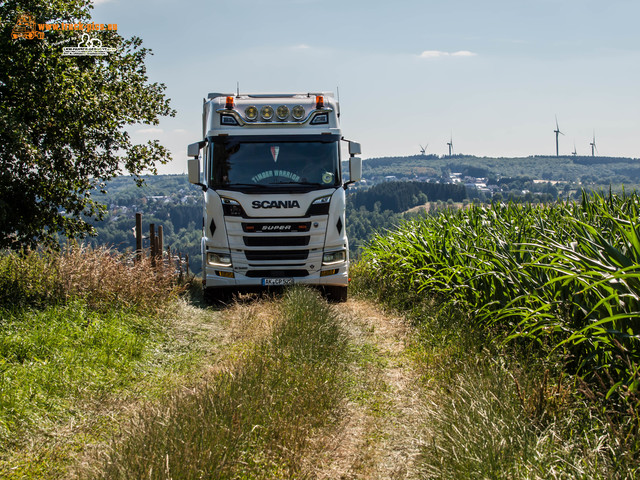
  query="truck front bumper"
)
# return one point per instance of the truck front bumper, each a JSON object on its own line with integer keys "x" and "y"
{"x": 216, "y": 277}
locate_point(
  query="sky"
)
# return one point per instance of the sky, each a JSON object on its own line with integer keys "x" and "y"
{"x": 490, "y": 74}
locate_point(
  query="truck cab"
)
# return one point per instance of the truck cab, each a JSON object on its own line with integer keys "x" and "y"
{"x": 274, "y": 193}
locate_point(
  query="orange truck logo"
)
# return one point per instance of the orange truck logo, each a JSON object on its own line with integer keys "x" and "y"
{"x": 26, "y": 28}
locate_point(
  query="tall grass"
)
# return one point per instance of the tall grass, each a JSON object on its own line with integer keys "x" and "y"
{"x": 102, "y": 277}
{"x": 254, "y": 418}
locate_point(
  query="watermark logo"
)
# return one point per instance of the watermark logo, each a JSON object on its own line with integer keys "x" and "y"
{"x": 92, "y": 47}
{"x": 26, "y": 28}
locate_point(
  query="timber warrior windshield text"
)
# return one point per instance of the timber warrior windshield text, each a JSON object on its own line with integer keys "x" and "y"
{"x": 239, "y": 162}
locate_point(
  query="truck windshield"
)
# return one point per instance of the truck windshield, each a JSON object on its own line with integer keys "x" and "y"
{"x": 279, "y": 162}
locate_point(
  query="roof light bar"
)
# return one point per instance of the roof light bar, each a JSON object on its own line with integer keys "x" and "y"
{"x": 229, "y": 104}
{"x": 319, "y": 101}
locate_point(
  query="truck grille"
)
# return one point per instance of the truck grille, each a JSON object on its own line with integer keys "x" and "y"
{"x": 276, "y": 273}
{"x": 277, "y": 255}
{"x": 276, "y": 227}
{"x": 276, "y": 241}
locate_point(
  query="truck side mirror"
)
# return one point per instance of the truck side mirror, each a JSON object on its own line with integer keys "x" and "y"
{"x": 355, "y": 169}
{"x": 193, "y": 150}
{"x": 193, "y": 165}
{"x": 354, "y": 149}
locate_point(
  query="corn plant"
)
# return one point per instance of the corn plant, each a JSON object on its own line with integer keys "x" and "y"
{"x": 565, "y": 275}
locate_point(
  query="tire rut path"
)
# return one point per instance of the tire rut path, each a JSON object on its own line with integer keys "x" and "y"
{"x": 383, "y": 427}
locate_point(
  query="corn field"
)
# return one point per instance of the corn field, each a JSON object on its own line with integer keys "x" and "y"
{"x": 566, "y": 276}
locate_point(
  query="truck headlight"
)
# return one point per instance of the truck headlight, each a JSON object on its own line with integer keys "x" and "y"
{"x": 219, "y": 259}
{"x": 231, "y": 208}
{"x": 320, "y": 206}
{"x": 330, "y": 258}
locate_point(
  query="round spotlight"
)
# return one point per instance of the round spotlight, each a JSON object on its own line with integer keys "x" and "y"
{"x": 282, "y": 112}
{"x": 251, "y": 113}
{"x": 266, "y": 112}
{"x": 298, "y": 112}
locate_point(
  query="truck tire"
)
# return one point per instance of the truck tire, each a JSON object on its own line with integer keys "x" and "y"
{"x": 336, "y": 294}
{"x": 216, "y": 296}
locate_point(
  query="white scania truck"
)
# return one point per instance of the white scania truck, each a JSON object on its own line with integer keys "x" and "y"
{"x": 274, "y": 196}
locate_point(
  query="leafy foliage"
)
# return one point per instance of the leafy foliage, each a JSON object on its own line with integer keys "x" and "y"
{"x": 62, "y": 123}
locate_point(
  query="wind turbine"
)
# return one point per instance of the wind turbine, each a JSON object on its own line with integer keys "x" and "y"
{"x": 557, "y": 131}
{"x": 450, "y": 144}
{"x": 593, "y": 145}
{"x": 423, "y": 149}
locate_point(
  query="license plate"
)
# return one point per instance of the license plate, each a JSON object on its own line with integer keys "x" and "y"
{"x": 269, "y": 282}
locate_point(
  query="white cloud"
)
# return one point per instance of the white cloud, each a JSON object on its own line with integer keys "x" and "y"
{"x": 439, "y": 54}
{"x": 463, "y": 53}
{"x": 152, "y": 131}
{"x": 433, "y": 54}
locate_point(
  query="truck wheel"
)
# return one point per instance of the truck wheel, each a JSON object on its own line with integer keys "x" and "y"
{"x": 336, "y": 294}
{"x": 216, "y": 296}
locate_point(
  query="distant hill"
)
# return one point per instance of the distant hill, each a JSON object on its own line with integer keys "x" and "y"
{"x": 580, "y": 170}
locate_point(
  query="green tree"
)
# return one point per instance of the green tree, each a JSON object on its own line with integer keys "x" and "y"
{"x": 63, "y": 119}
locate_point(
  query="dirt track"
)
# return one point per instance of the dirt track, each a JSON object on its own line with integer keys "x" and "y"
{"x": 383, "y": 426}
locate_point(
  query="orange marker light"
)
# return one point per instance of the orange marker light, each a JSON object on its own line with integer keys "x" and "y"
{"x": 229, "y": 105}
{"x": 319, "y": 101}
